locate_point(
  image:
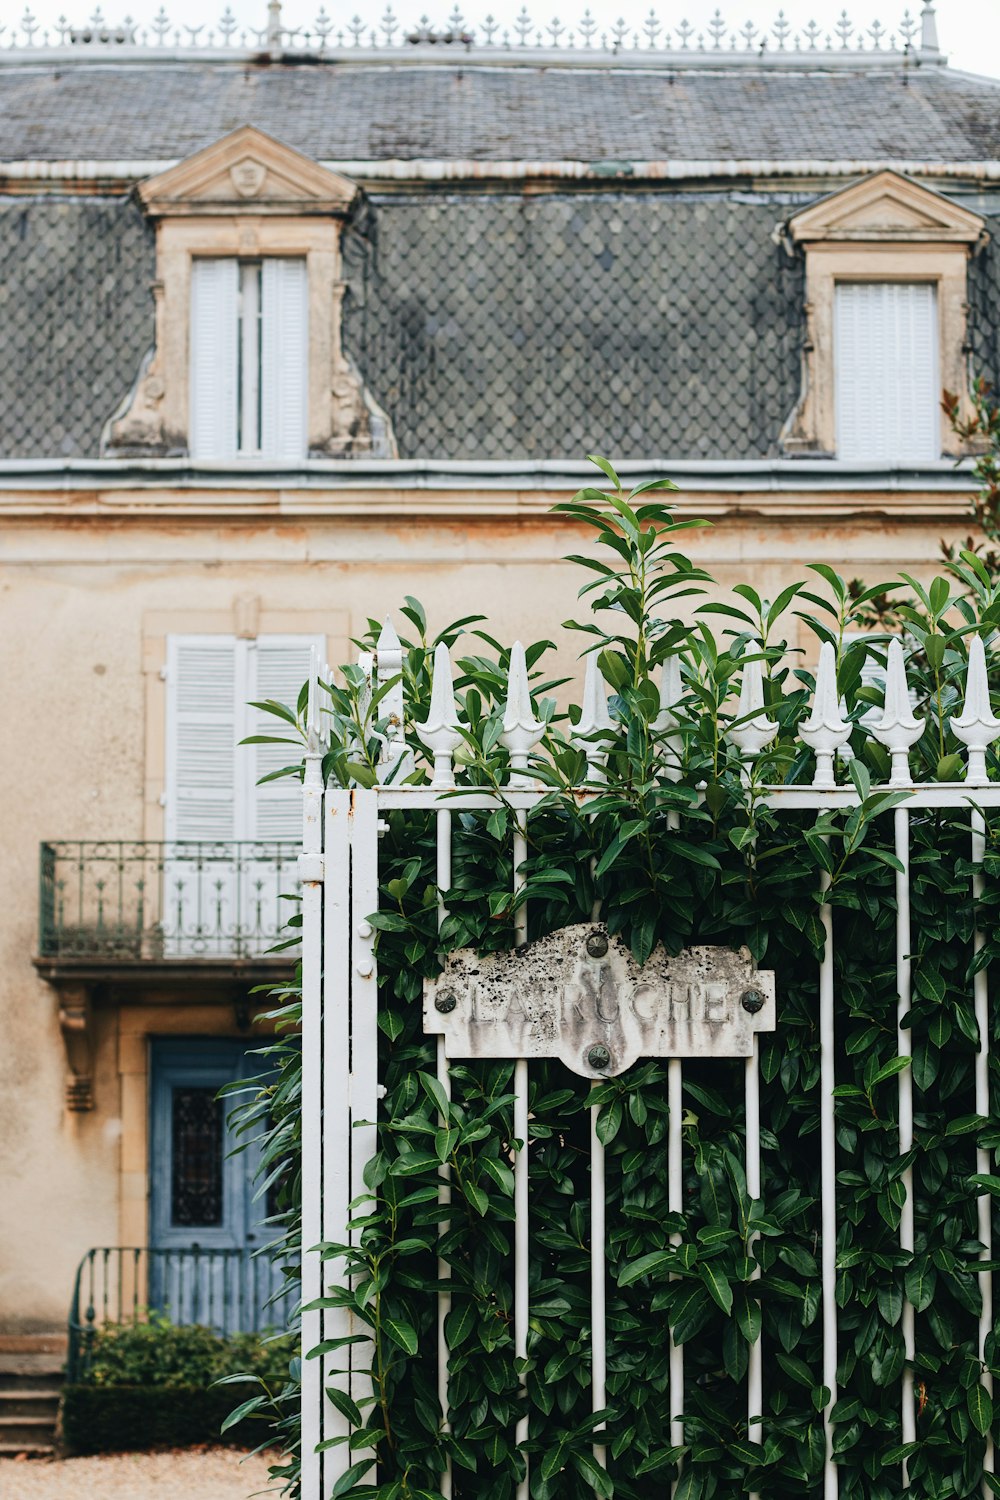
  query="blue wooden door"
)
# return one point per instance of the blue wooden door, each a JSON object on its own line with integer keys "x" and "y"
{"x": 205, "y": 1226}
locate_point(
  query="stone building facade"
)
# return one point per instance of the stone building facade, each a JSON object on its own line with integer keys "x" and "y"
{"x": 292, "y": 328}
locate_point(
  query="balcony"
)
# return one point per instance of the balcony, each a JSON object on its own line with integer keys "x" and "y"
{"x": 120, "y": 902}
{"x": 121, "y": 920}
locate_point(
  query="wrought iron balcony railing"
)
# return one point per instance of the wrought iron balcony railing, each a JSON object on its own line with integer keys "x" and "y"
{"x": 120, "y": 901}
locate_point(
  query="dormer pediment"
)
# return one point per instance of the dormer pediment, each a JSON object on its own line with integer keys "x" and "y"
{"x": 247, "y": 172}
{"x": 886, "y": 207}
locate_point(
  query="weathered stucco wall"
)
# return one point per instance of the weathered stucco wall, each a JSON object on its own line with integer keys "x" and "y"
{"x": 84, "y": 597}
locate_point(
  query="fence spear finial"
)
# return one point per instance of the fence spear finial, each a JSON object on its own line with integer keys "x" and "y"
{"x": 594, "y": 720}
{"x": 826, "y": 729}
{"x": 897, "y": 729}
{"x": 755, "y": 729}
{"x": 976, "y": 727}
{"x": 439, "y": 732}
{"x": 314, "y": 729}
{"x": 391, "y": 708}
{"x": 521, "y": 730}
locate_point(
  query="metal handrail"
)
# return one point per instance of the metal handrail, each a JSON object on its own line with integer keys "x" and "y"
{"x": 119, "y": 900}
{"x": 228, "y": 1290}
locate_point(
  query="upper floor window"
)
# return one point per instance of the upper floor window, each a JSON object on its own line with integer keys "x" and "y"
{"x": 213, "y": 790}
{"x": 249, "y": 358}
{"x": 887, "y": 375}
{"x": 885, "y": 304}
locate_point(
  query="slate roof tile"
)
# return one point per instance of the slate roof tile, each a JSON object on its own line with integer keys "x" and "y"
{"x": 365, "y": 111}
{"x": 655, "y": 323}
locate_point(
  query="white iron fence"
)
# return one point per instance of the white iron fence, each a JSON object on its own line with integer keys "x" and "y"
{"x": 341, "y": 1085}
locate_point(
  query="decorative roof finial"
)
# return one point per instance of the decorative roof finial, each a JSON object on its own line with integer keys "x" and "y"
{"x": 273, "y": 24}
{"x": 928, "y": 29}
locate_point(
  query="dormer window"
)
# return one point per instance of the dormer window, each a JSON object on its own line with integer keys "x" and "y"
{"x": 886, "y": 262}
{"x": 249, "y": 358}
{"x": 248, "y": 361}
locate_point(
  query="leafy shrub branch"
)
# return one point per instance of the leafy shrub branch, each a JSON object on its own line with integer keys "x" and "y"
{"x": 678, "y": 846}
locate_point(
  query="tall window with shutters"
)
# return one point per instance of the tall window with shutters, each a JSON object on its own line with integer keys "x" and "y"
{"x": 887, "y": 377}
{"x": 213, "y": 797}
{"x": 249, "y": 358}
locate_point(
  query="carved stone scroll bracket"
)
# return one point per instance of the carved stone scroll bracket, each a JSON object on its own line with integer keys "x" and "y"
{"x": 579, "y": 995}
{"x": 76, "y": 1022}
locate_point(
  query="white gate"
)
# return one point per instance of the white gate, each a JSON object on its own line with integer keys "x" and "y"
{"x": 340, "y": 875}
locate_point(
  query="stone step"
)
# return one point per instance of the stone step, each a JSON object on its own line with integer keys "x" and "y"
{"x": 27, "y": 1450}
{"x": 24, "y": 1402}
{"x": 33, "y": 1343}
{"x": 37, "y": 1371}
{"x": 24, "y": 1434}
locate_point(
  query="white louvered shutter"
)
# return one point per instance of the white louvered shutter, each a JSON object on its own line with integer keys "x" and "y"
{"x": 284, "y": 358}
{"x": 214, "y": 358}
{"x": 202, "y": 725}
{"x": 279, "y": 667}
{"x": 887, "y": 379}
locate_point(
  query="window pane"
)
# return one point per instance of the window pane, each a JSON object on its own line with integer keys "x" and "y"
{"x": 214, "y": 358}
{"x": 196, "y": 1165}
{"x": 887, "y": 381}
{"x": 250, "y": 333}
{"x": 284, "y": 358}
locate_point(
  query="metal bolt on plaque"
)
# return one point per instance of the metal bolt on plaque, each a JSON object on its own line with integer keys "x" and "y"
{"x": 579, "y": 995}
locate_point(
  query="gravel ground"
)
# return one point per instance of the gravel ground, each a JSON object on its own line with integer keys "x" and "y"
{"x": 183, "y": 1474}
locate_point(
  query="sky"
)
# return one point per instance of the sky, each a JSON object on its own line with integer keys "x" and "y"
{"x": 969, "y": 30}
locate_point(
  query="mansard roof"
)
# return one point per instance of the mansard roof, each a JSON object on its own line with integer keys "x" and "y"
{"x": 885, "y": 113}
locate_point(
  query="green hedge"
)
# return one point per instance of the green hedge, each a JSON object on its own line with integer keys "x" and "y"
{"x": 115, "y": 1419}
{"x": 151, "y": 1384}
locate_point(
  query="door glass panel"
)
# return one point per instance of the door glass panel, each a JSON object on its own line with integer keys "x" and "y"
{"x": 196, "y": 1177}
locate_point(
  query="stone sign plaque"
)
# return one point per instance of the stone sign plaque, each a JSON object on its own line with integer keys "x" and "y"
{"x": 579, "y": 995}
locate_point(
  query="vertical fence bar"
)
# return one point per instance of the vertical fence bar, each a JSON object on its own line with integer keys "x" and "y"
{"x": 444, "y": 1174}
{"x": 825, "y": 732}
{"x": 984, "y": 1201}
{"x": 521, "y": 732}
{"x": 595, "y": 720}
{"x": 364, "y": 1026}
{"x": 598, "y": 1284}
{"x": 439, "y": 734}
{"x": 755, "y": 1364}
{"x": 675, "y": 1205}
{"x": 978, "y": 728}
{"x": 828, "y": 1178}
{"x": 521, "y": 1164}
{"x": 904, "y": 1047}
{"x": 312, "y": 1084}
{"x": 336, "y": 1117}
{"x": 752, "y": 731}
